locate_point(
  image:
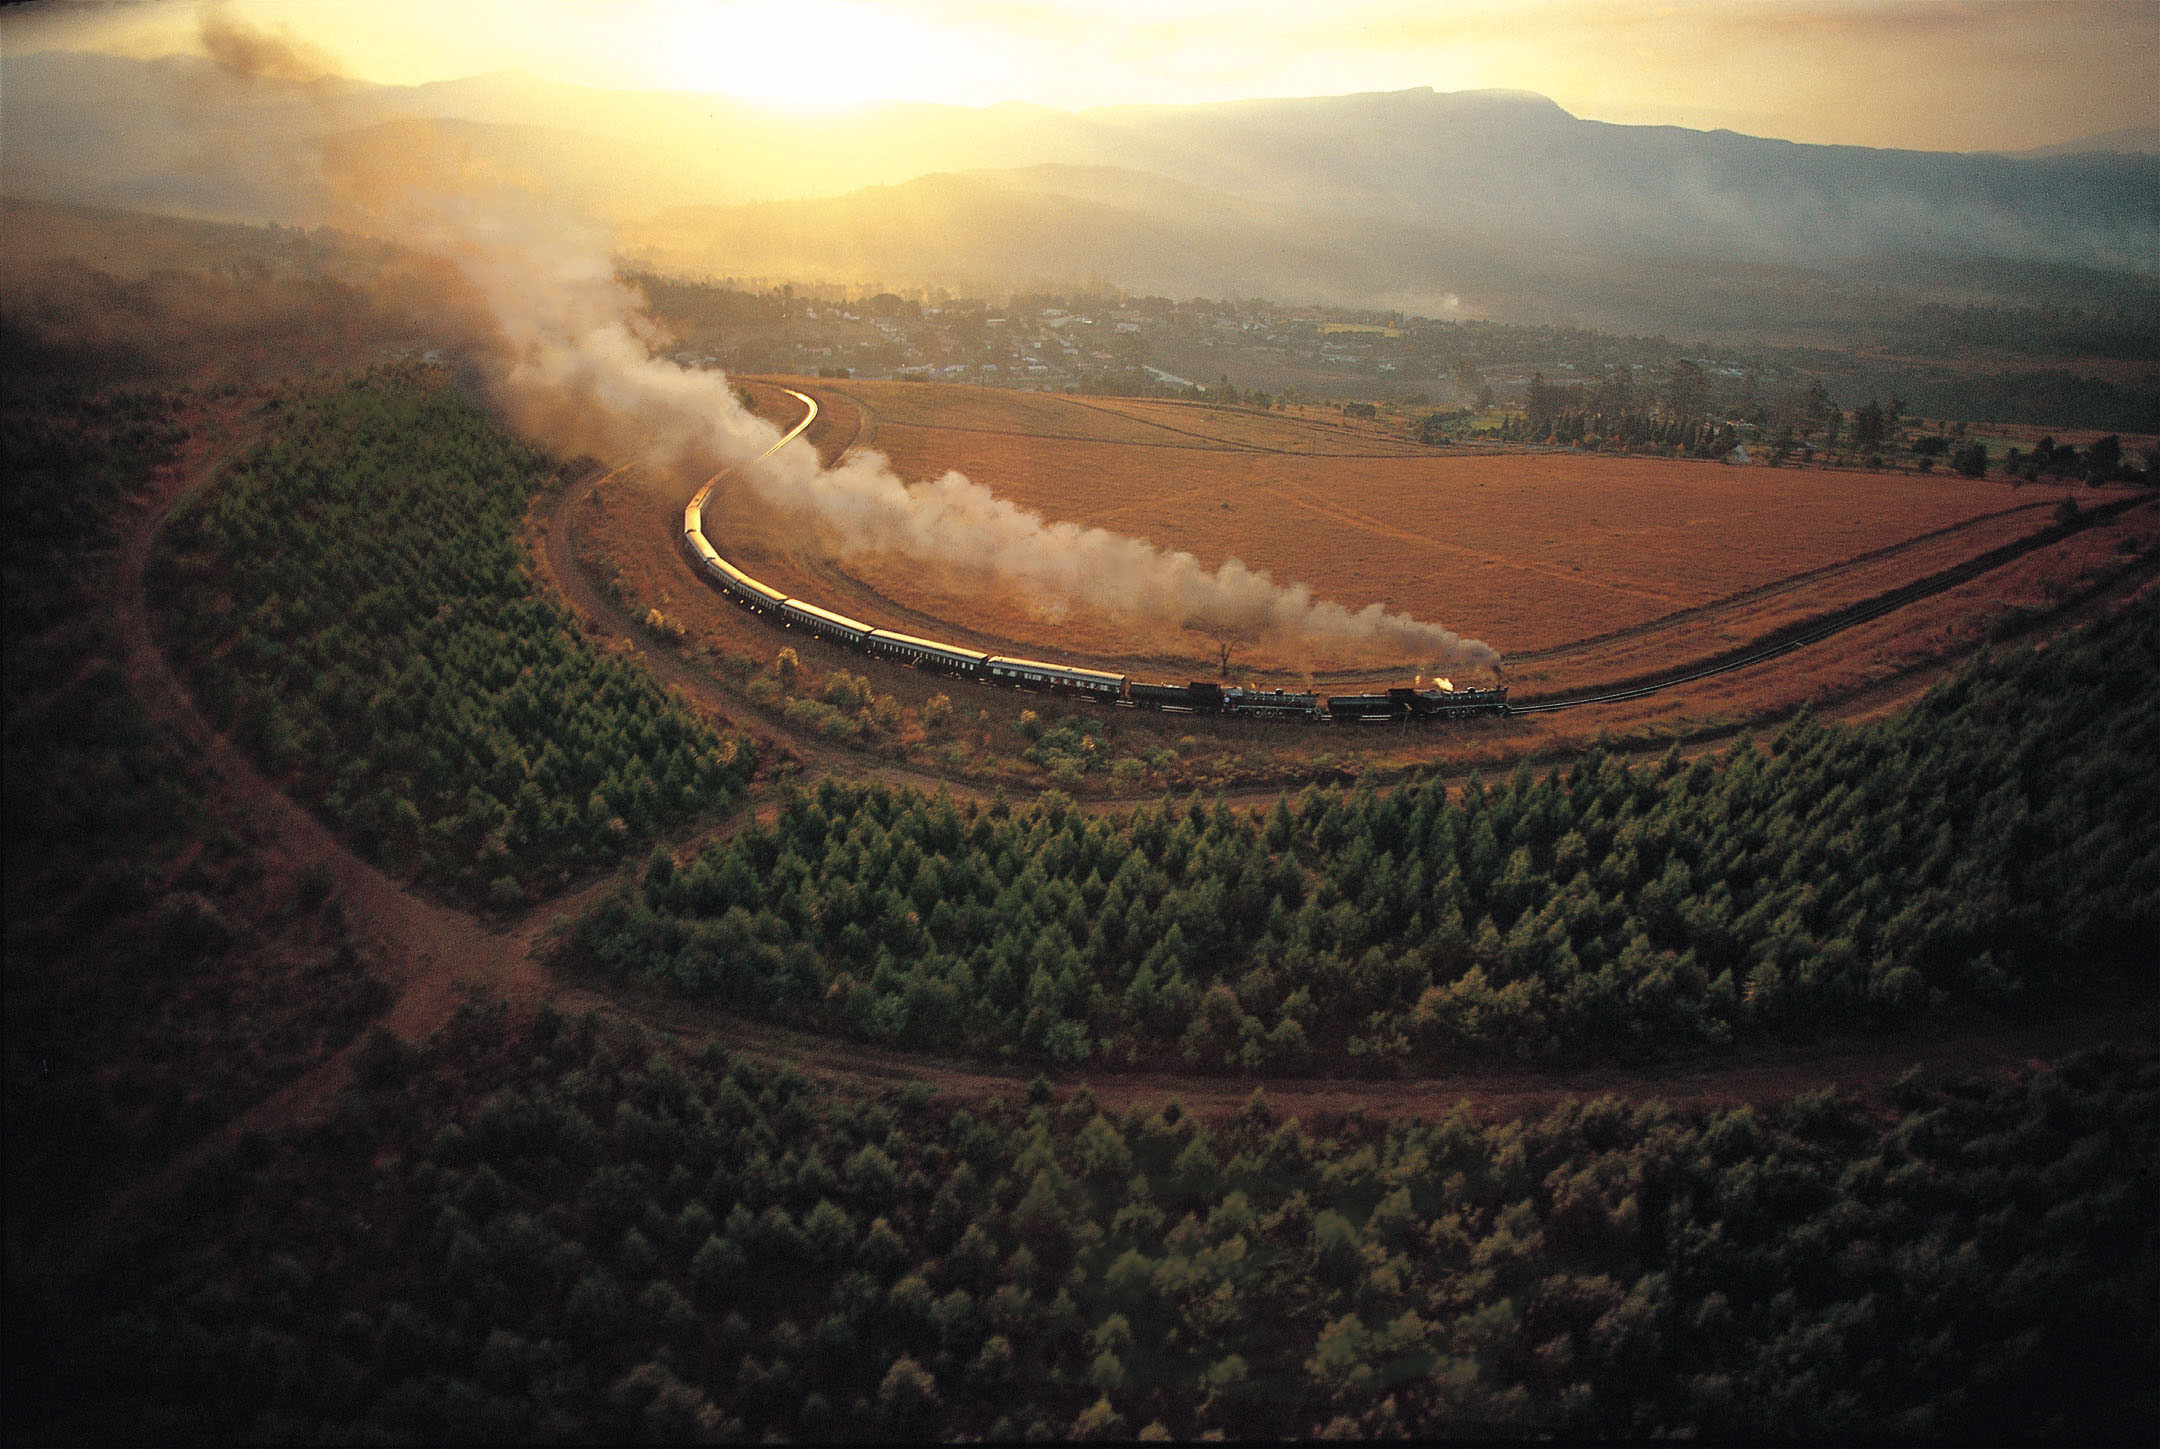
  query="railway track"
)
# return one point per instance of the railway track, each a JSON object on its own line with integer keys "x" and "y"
{"x": 1816, "y": 630}
{"x": 786, "y": 438}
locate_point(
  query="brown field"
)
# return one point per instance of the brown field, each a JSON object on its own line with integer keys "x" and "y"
{"x": 840, "y": 424}
{"x": 1871, "y": 667}
{"x": 1910, "y": 642}
{"x": 1308, "y": 431}
{"x": 1733, "y": 621}
{"x": 1043, "y": 415}
{"x": 1586, "y": 567}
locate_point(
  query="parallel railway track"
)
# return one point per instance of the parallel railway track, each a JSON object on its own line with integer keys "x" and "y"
{"x": 1815, "y": 630}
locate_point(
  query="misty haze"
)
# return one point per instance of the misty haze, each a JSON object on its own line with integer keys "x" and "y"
{"x": 876, "y": 721}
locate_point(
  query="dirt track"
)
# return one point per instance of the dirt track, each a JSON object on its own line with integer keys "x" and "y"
{"x": 431, "y": 954}
{"x": 1765, "y": 1075}
{"x": 435, "y": 955}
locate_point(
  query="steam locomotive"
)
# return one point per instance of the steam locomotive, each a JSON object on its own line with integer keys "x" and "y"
{"x": 1400, "y": 704}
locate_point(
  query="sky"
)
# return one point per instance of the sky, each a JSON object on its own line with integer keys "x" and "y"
{"x": 1955, "y": 75}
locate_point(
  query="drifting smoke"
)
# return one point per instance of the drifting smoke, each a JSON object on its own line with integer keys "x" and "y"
{"x": 250, "y": 54}
{"x": 568, "y": 355}
{"x": 955, "y": 523}
{"x": 583, "y": 375}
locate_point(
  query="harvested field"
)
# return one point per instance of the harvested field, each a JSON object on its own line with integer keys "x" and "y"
{"x": 1532, "y": 552}
{"x": 1899, "y": 644}
{"x": 1702, "y": 632}
{"x": 1312, "y": 433}
{"x": 1041, "y": 415}
{"x": 1583, "y": 570}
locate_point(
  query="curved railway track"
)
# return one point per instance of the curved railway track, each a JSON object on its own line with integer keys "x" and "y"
{"x": 1779, "y": 643}
{"x": 698, "y": 501}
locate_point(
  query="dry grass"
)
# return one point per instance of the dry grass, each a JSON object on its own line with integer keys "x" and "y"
{"x": 1526, "y": 551}
{"x": 1730, "y": 622}
{"x": 841, "y": 423}
{"x": 1874, "y": 654}
{"x": 1043, "y": 415}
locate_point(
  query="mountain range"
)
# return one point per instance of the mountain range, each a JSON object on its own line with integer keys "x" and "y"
{"x": 1496, "y": 204}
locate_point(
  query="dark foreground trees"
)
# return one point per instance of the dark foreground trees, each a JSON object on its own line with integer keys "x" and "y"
{"x": 161, "y": 974}
{"x": 545, "y": 1230}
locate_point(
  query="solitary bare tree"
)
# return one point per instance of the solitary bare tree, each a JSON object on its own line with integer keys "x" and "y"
{"x": 1227, "y": 638}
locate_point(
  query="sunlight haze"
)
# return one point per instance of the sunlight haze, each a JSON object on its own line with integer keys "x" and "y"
{"x": 1935, "y": 76}
{"x": 1080, "y": 721}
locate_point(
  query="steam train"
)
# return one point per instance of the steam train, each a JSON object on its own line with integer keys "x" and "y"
{"x": 1400, "y": 704}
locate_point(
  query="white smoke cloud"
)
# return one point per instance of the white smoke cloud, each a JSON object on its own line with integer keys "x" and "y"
{"x": 576, "y": 367}
{"x": 953, "y": 521}
{"x": 567, "y": 354}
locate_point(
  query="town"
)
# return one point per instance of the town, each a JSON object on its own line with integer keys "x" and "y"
{"x": 1450, "y": 380}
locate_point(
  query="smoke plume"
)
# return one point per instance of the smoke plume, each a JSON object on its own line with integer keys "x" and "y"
{"x": 953, "y": 523}
{"x": 243, "y": 51}
{"x": 568, "y": 355}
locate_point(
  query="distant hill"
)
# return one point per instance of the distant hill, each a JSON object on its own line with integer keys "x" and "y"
{"x": 1499, "y": 202}
{"x": 1055, "y": 226}
{"x": 1044, "y": 223}
{"x": 2130, "y": 141}
{"x": 1063, "y": 224}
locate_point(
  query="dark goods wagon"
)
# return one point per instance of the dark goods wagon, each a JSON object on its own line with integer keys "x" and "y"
{"x": 1366, "y": 708}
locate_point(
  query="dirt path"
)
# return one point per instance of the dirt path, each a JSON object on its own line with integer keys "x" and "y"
{"x": 432, "y": 955}
{"x": 1764, "y": 1074}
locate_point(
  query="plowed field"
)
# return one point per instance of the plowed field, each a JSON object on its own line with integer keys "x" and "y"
{"x": 1583, "y": 566}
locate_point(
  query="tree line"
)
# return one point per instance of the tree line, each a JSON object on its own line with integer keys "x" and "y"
{"x": 352, "y": 599}
{"x": 1993, "y": 845}
{"x": 1942, "y": 330}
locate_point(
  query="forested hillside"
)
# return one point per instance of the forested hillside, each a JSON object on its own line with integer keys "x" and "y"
{"x": 528, "y": 1228}
{"x": 1995, "y": 844}
{"x": 543, "y": 1230}
{"x": 353, "y": 599}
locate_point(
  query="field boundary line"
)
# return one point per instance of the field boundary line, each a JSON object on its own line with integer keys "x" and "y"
{"x": 1760, "y": 592}
{"x": 1800, "y": 633}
